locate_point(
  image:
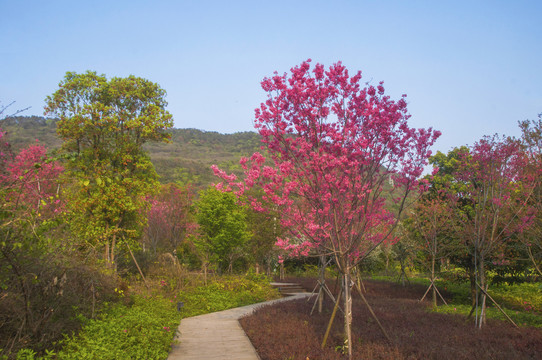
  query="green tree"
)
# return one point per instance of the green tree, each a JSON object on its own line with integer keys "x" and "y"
{"x": 266, "y": 228}
{"x": 104, "y": 124}
{"x": 223, "y": 227}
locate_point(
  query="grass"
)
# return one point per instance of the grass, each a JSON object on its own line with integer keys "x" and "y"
{"x": 226, "y": 293}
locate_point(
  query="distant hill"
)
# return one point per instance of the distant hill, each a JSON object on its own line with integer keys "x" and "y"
{"x": 187, "y": 158}
{"x": 24, "y": 130}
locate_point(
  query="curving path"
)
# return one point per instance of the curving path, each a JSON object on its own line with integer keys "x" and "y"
{"x": 218, "y": 336}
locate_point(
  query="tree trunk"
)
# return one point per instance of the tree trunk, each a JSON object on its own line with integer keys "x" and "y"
{"x": 483, "y": 285}
{"x": 110, "y": 254}
{"x": 106, "y": 255}
{"x": 387, "y": 262}
{"x": 537, "y": 268}
{"x": 433, "y": 281}
{"x": 322, "y": 280}
{"x": 472, "y": 280}
{"x": 268, "y": 267}
{"x": 348, "y": 311}
{"x": 404, "y": 278}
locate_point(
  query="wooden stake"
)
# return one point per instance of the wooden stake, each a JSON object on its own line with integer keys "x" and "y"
{"x": 138, "y": 268}
{"x": 438, "y": 292}
{"x": 373, "y": 314}
{"x": 323, "y": 288}
{"x": 312, "y": 293}
{"x": 332, "y": 318}
{"x": 498, "y": 307}
{"x": 361, "y": 285}
{"x": 319, "y": 296}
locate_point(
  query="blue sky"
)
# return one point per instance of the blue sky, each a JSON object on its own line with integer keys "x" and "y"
{"x": 469, "y": 68}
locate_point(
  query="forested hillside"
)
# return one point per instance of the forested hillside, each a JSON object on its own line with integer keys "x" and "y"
{"x": 187, "y": 158}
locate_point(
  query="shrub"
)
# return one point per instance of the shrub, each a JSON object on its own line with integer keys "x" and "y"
{"x": 46, "y": 295}
{"x": 142, "y": 331}
{"x": 526, "y": 297}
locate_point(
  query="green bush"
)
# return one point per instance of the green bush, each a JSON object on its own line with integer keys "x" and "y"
{"x": 143, "y": 331}
{"x": 526, "y": 297}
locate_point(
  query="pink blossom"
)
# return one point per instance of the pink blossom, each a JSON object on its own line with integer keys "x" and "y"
{"x": 332, "y": 143}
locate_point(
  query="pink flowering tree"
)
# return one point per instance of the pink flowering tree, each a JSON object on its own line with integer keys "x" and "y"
{"x": 532, "y": 144}
{"x": 169, "y": 219}
{"x": 29, "y": 204}
{"x": 492, "y": 204}
{"x": 429, "y": 225}
{"x": 31, "y": 187}
{"x": 35, "y": 179}
{"x": 342, "y": 161}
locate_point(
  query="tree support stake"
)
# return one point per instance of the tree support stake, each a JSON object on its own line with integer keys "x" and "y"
{"x": 138, "y": 268}
{"x": 498, "y": 307}
{"x": 332, "y": 318}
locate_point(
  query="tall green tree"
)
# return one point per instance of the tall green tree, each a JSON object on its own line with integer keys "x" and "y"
{"x": 265, "y": 228}
{"x": 104, "y": 124}
{"x": 223, "y": 227}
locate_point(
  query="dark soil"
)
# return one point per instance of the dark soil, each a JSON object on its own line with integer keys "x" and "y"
{"x": 288, "y": 331}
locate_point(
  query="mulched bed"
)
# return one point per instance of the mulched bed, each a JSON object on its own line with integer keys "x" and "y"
{"x": 288, "y": 331}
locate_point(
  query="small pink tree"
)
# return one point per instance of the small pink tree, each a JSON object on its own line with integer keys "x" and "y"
{"x": 532, "y": 144}
{"x": 492, "y": 203}
{"x": 430, "y": 225}
{"x": 35, "y": 181}
{"x": 342, "y": 163}
{"x": 169, "y": 219}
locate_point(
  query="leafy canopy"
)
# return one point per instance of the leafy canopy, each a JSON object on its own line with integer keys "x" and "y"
{"x": 223, "y": 225}
{"x": 104, "y": 124}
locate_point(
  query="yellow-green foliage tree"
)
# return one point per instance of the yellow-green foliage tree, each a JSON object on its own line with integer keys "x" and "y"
{"x": 223, "y": 227}
{"x": 104, "y": 124}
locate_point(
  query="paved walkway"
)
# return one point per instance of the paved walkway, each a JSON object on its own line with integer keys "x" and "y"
{"x": 218, "y": 336}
